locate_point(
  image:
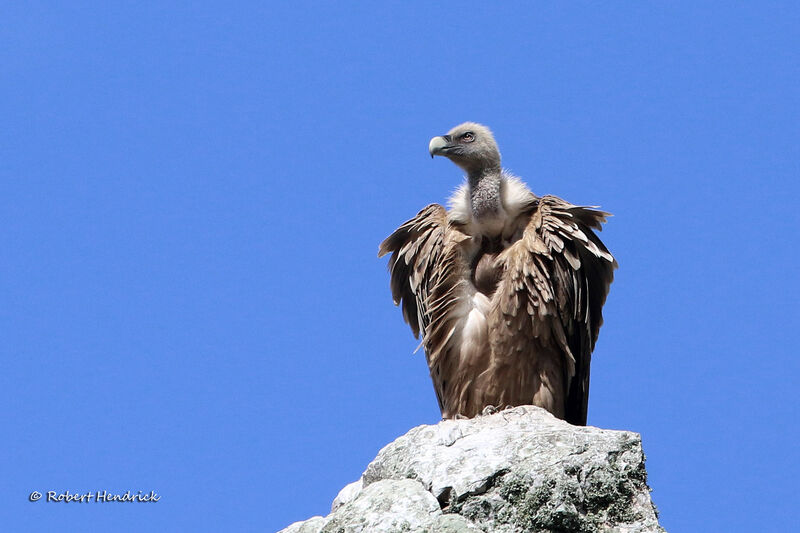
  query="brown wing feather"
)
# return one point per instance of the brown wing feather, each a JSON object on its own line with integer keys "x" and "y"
{"x": 415, "y": 247}
{"x": 428, "y": 275}
{"x": 556, "y": 281}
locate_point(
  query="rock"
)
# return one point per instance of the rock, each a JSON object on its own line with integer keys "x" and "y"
{"x": 387, "y": 505}
{"x": 312, "y": 525}
{"x": 347, "y": 494}
{"x": 453, "y": 523}
{"x": 517, "y": 470}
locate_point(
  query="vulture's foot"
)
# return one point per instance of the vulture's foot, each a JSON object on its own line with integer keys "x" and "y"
{"x": 506, "y": 408}
{"x": 489, "y": 410}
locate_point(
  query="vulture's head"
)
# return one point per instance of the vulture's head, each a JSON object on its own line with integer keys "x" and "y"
{"x": 470, "y": 146}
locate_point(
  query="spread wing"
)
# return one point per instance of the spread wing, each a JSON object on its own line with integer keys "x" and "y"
{"x": 556, "y": 281}
{"x": 427, "y": 277}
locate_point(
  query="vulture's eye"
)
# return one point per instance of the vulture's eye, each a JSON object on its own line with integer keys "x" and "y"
{"x": 468, "y": 137}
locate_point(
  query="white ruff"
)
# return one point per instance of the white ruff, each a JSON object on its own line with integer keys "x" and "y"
{"x": 514, "y": 197}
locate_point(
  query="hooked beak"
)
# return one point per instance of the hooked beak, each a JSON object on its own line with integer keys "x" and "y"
{"x": 439, "y": 145}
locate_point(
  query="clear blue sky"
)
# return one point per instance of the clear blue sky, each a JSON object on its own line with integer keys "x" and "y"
{"x": 193, "y": 195}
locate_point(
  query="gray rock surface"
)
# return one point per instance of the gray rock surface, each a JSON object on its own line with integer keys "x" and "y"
{"x": 348, "y": 493}
{"x": 517, "y": 470}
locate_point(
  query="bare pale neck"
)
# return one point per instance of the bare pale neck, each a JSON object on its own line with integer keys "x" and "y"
{"x": 484, "y": 192}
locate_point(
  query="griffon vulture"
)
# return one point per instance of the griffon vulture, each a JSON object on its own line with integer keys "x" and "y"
{"x": 506, "y": 287}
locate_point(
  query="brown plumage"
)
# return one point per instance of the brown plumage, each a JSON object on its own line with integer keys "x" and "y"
{"x": 506, "y": 288}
